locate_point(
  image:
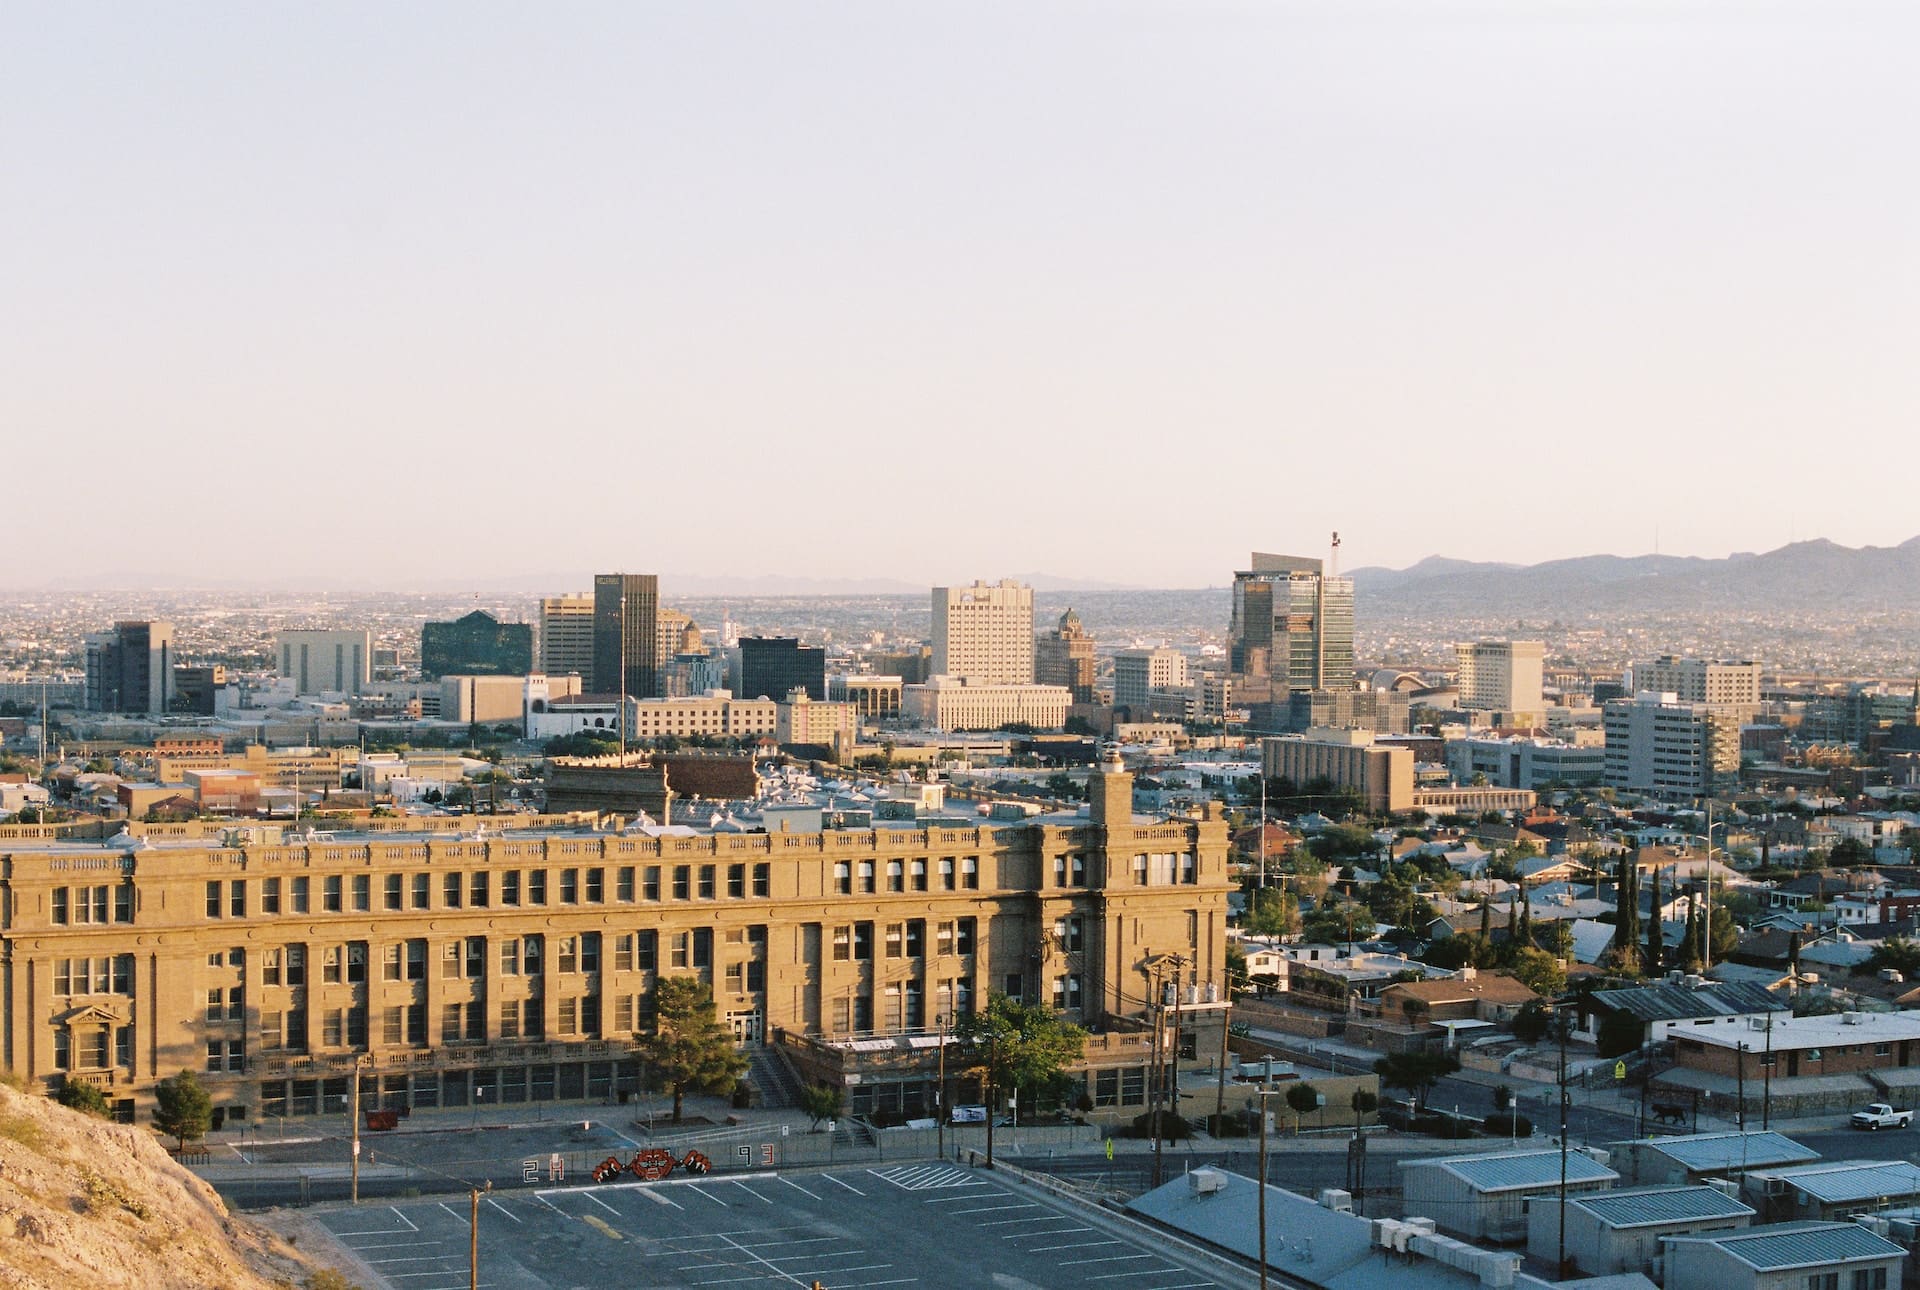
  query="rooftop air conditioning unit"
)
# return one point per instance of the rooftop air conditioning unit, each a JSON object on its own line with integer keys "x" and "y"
{"x": 1725, "y": 1186}
{"x": 1849, "y": 1018}
{"x": 1598, "y": 1155}
{"x": 1337, "y": 1200}
{"x": 1207, "y": 1181}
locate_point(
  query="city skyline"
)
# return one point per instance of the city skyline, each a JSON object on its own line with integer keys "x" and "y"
{"x": 1225, "y": 259}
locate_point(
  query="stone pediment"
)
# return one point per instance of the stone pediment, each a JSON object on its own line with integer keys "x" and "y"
{"x": 90, "y": 1013}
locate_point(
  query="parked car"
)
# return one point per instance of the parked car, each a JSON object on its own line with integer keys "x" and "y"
{"x": 1882, "y": 1116}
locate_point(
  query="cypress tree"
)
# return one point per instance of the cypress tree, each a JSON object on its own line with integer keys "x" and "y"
{"x": 1656, "y": 947}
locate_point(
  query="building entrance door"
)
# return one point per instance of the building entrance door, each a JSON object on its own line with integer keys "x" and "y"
{"x": 747, "y": 1027}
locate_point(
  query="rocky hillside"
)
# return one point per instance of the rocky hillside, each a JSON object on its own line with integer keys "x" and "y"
{"x": 87, "y": 1203}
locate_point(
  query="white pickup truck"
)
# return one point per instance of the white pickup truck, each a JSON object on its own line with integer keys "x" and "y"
{"x": 1882, "y": 1116}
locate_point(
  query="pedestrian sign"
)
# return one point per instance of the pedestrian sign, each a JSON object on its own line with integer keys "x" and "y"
{"x": 1619, "y": 1070}
{"x": 1109, "y": 1148}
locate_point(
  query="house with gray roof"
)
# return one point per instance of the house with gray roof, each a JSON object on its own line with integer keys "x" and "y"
{"x": 1683, "y": 1005}
{"x": 1785, "y": 1256}
{"x": 1623, "y": 1231}
{"x": 1832, "y": 1189}
{"x": 1484, "y": 1196}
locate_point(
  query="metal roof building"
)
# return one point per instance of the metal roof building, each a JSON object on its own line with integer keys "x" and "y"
{"x": 1689, "y": 1158}
{"x": 1784, "y": 1255}
{"x": 1834, "y": 1189}
{"x": 1485, "y": 1196}
{"x": 1622, "y": 1231}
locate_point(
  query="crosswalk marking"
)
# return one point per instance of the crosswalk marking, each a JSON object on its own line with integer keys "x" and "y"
{"x": 927, "y": 1177}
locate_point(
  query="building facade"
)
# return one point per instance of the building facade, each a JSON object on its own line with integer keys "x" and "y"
{"x": 1292, "y": 628}
{"x": 1137, "y": 673}
{"x": 626, "y": 634}
{"x": 1697, "y": 680}
{"x": 1502, "y": 677}
{"x": 1657, "y": 743}
{"x": 876, "y": 698}
{"x": 984, "y": 633}
{"x": 1349, "y": 759}
{"x": 477, "y": 644}
{"x": 1065, "y": 656}
{"x": 130, "y": 669}
{"x": 945, "y": 703}
{"x": 772, "y": 667}
{"x": 524, "y": 962}
{"x": 325, "y": 662}
{"x": 566, "y": 636}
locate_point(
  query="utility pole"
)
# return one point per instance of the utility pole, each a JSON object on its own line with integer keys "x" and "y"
{"x": 1560, "y": 1021}
{"x": 1226, "y": 1023}
{"x": 993, "y": 1053}
{"x": 1154, "y": 1065}
{"x": 1264, "y": 1094}
{"x": 1766, "y": 1079}
{"x": 1173, "y": 1064}
{"x": 473, "y": 1237}
{"x": 940, "y": 1090}
{"x": 1263, "y": 820}
{"x": 355, "y": 1113}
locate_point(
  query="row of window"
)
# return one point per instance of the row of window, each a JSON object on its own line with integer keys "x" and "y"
{"x": 465, "y": 958}
{"x": 905, "y": 875}
{"x": 344, "y": 893}
{"x": 94, "y": 1048}
{"x": 853, "y": 942}
{"x": 107, "y": 974}
{"x": 83, "y": 906}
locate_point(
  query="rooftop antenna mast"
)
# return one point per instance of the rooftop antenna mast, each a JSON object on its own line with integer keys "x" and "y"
{"x": 1333, "y": 564}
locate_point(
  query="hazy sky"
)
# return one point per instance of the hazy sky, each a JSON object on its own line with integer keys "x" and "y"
{"x": 928, "y": 291}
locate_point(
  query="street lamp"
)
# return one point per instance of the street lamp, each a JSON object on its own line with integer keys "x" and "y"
{"x": 940, "y": 1090}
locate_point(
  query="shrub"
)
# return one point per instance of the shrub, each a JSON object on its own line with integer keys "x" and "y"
{"x": 1172, "y": 1127}
{"x": 1508, "y": 1124}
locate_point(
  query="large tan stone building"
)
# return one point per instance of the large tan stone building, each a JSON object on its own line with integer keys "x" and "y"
{"x": 524, "y": 962}
{"x": 946, "y": 703}
{"x": 1382, "y": 775}
{"x": 984, "y": 633}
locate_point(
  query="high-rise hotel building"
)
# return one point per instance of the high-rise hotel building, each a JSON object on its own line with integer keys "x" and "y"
{"x": 1292, "y": 628}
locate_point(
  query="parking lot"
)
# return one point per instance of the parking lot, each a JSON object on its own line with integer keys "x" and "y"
{"x": 931, "y": 1224}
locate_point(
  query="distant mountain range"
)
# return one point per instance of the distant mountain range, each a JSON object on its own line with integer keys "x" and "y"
{"x": 1811, "y": 573}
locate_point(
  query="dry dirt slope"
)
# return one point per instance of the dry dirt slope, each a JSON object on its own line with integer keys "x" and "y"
{"x": 87, "y": 1203}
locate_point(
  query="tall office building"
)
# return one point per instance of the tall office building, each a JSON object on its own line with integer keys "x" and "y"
{"x": 984, "y": 633}
{"x": 566, "y": 636}
{"x": 325, "y": 662}
{"x": 771, "y": 667}
{"x": 1660, "y": 743}
{"x": 1292, "y": 628}
{"x": 1699, "y": 680}
{"x": 1137, "y": 673}
{"x": 1502, "y": 676}
{"x": 626, "y": 634}
{"x": 1064, "y": 656}
{"x": 130, "y": 669}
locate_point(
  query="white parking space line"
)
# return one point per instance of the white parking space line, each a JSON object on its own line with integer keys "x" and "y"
{"x": 1078, "y": 1245}
{"x": 1111, "y": 1258}
{"x": 502, "y": 1208}
{"x": 459, "y": 1218}
{"x": 897, "y": 1281}
{"x": 417, "y": 1258}
{"x": 601, "y": 1203}
{"x": 797, "y": 1187}
{"x": 1044, "y": 1218}
{"x": 390, "y": 1245}
{"x": 948, "y": 1200}
{"x": 750, "y": 1191}
{"x": 798, "y": 1240}
{"x": 849, "y": 1186}
{"x": 715, "y": 1199}
{"x": 1149, "y": 1272}
{"x": 403, "y": 1218}
{"x": 654, "y": 1195}
{"x": 836, "y": 1273}
{"x": 1056, "y": 1231}
{"x": 995, "y": 1209}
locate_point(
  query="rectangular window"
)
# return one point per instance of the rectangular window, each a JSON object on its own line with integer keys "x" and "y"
{"x": 1016, "y": 986}
{"x": 392, "y": 965}
{"x": 332, "y": 894}
{"x": 842, "y": 944}
{"x": 646, "y": 951}
{"x": 330, "y": 965}
{"x": 357, "y": 1026}
{"x": 677, "y": 949}
{"x": 590, "y": 1015}
{"x": 419, "y": 896}
{"x": 123, "y": 1046}
{"x": 393, "y": 1026}
{"x": 946, "y": 874}
{"x": 123, "y": 903}
{"x": 1070, "y": 933}
{"x": 590, "y": 951}
{"x": 531, "y": 949}
{"x": 451, "y": 889}
{"x": 123, "y": 974}
{"x": 417, "y": 1025}
{"x": 650, "y": 882}
{"x": 843, "y": 877}
{"x": 510, "y": 888}
{"x": 896, "y": 875}
{"x": 215, "y": 908}
{"x": 1060, "y": 871}
{"x": 736, "y": 977}
{"x": 63, "y": 976}
{"x": 270, "y": 896}
{"x": 510, "y": 1019}
{"x": 1077, "y": 870}
{"x": 1140, "y": 870}
{"x": 680, "y": 882}
{"x": 623, "y": 885}
{"x": 453, "y": 1021}
{"x": 567, "y": 1017}
{"x": 450, "y": 961}
{"x": 706, "y": 881}
{"x": 476, "y": 957}
{"x": 477, "y": 894}
{"x": 296, "y": 965}
{"x": 866, "y": 877}
{"x": 395, "y": 894}
{"x": 623, "y": 952}
{"x": 333, "y": 1028}
{"x": 896, "y": 940}
{"x": 569, "y": 951}
{"x": 510, "y": 957}
{"x": 356, "y": 963}
{"x": 970, "y": 873}
{"x": 362, "y": 893}
{"x": 963, "y": 936}
{"x": 59, "y": 908}
{"x": 736, "y": 881}
{"x": 863, "y": 942}
{"x": 536, "y": 886}
{"x": 569, "y": 886}
{"x": 596, "y": 886}
{"x": 916, "y": 937}
{"x": 1189, "y": 872}
{"x": 237, "y": 898}
{"x": 702, "y": 948}
{"x": 762, "y": 880}
{"x": 416, "y": 960}
{"x": 918, "y": 870}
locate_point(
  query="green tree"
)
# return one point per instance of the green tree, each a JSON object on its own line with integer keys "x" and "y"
{"x": 1364, "y": 1103}
{"x": 1620, "y": 1033}
{"x": 1304, "y": 1098}
{"x": 1014, "y": 1045}
{"x": 182, "y": 1108}
{"x": 1896, "y": 952}
{"x": 1538, "y": 970}
{"x": 1530, "y": 1023}
{"x": 821, "y": 1102}
{"x": 1272, "y": 912}
{"x": 689, "y": 1048}
{"x": 82, "y": 1097}
{"x": 1417, "y": 1073}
